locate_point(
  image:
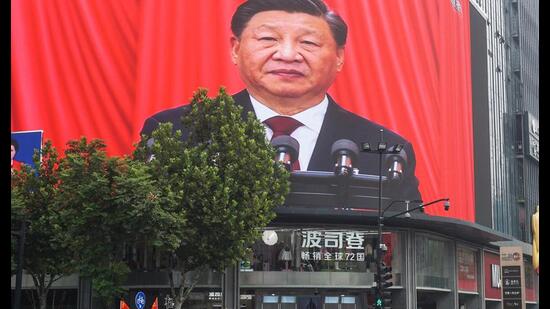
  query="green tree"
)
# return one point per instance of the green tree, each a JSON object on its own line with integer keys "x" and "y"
{"x": 34, "y": 201}
{"x": 219, "y": 183}
{"x": 105, "y": 202}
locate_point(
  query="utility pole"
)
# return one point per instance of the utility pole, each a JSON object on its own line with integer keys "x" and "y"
{"x": 382, "y": 296}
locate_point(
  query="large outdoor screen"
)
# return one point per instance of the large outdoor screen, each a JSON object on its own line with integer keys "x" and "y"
{"x": 100, "y": 68}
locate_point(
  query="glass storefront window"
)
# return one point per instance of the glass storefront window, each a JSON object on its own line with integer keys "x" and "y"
{"x": 433, "y": 267}
{"x": 288, "y": 299}
{"x": 271, "y": 299}
{"x": 323, "y": 250}
{"x": 301, "y": 298}
{"x": 348, "y": 299}
{"x": 270, "y": 302}
{"x": 313, "y": 250}
{"x": 467, "y": 269}
{"x": 332, "y": 299}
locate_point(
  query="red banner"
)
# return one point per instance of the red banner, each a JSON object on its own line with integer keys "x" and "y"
{"x": 123, "y": 305}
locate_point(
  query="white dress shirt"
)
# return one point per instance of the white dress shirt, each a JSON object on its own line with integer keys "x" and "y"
{"x": 306, "y": 135}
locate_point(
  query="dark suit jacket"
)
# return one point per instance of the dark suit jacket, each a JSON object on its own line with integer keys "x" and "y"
{"x": 338, "y": 124}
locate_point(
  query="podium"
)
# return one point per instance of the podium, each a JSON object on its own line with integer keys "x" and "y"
{"x": 317, "y": 189}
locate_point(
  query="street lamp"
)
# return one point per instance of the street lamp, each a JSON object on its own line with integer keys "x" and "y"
{"x": 407, "y": 202}
{"x": 382, "y": 298}
{"x": 447, "y": 205}
{"x": 381, "y": 150}
{"x": 383, "y": 273}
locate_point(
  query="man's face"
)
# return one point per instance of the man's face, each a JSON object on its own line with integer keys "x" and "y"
{"x": 287, "y": 55}
{"x": 12, "y": 152}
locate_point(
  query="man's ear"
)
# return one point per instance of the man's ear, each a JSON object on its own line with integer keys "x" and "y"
{"x": 235, "y": 45}
{"x": 339, "y": 59}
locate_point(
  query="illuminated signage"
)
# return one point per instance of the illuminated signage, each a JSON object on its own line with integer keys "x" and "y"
{"x": 333, "y": 246}
{"x": 511, "y": 262}
{"x": 214, "y": 296}
{"x": 531, "y": 125}
{"x": 495, "y": 276}
{"x": 349, "y": 240}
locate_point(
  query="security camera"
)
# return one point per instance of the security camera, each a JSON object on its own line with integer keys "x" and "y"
{"x": 447, "y": 205}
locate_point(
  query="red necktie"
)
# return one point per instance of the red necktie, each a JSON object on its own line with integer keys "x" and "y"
{"x": 282, "y": 125}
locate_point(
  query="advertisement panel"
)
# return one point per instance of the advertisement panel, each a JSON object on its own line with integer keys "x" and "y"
{"x": 493, "y": 282}
{"x": 99, "y": 69}
{"x": 513, "y": 277}
{"x": 24, "y": 144}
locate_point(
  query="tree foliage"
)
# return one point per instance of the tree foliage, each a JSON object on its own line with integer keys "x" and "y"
{"x": 105, "y": 203}
{"x": 220, "y": 181}
{"x": 35, "y": 202}
{"x": 81, "y": 210}
{"x": 202, "y": 200}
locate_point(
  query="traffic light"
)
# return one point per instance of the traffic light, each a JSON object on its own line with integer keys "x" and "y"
{"x": 382, "y": 297}
{"x": 383, "y": 280}
{"x": 382, "y": 300}
{"x": 386, "y": 299}
{"x": 378, "y": 302}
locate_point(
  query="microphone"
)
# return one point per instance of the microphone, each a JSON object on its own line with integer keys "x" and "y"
{"x": 344, "y": 153}
{"x": 396, "y": 163}
{"x": 287, "y": 148}
{"x": 150, "y": 143}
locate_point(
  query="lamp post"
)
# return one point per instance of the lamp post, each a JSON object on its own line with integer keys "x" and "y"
{"x": 383, "y": 272}
{"x": 382, "y": 149}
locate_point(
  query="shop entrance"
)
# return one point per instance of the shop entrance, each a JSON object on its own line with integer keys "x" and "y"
{"x": 426, "y": 299}
{"x": 302, "y": 299}
{"x": 309, "y": 302}
{"x": 427, "y": 305}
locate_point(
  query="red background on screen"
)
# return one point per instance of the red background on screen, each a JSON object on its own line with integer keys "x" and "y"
{"x": 99, "y": 68}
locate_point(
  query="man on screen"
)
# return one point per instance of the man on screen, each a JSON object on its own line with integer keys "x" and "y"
{"x": 288, "y": 53}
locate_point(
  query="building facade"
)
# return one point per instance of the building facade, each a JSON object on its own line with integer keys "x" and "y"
{"x": 323, "y": 258}
{"x": 505, "y": 94}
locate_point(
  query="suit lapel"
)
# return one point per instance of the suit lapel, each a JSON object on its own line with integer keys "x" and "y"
{"x": 243, "y": 99}
{"x": 330, "y": 130}
{"x": 321, "y": 159}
